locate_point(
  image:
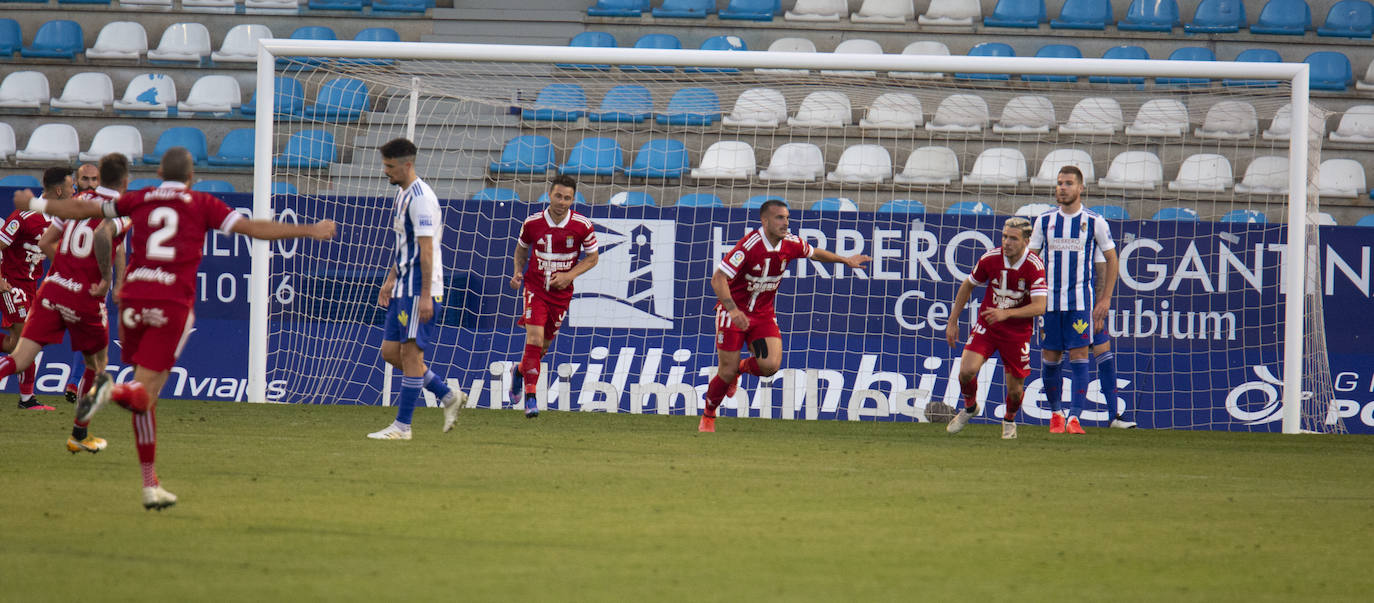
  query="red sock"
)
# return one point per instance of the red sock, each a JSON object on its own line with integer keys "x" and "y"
{"x": 145, "y": 440}
{"x": 87, "y": 378}
{"x": 529, "y": 366}
{"x": 26, "y": 381}
{"x": 715, "y": 392}
{"x": 131, "y": 396}
{"x": 749, "y": 366}
{"x": 1013, "y": 405}
{"x": 6, "y": 366}
{"x": 970, "y": 390}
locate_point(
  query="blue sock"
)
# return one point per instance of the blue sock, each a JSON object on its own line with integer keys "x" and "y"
{"x": 1078, "y": 378}
{"x": 1053, "y": 381}
{"x": 435, "y": 385}
{"x": 1106, "y": 378}
{"x": 410, "y": 392}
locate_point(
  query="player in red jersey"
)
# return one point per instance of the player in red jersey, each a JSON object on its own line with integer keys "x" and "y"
{"x": 745, "y": 282}
{"x": 169, "y": 224}
{"x": 1015, "y": 295}
{"x": 87, "y": 180}
{"x": 558, "y": 237}
{"x": 21, "y": 266}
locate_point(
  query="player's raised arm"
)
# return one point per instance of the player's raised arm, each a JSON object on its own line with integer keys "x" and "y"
{"x": 853, "y": 261}
{"x": 271, "y": 230}
{"x": 960, "y": 301}
{"x": 70, "y": 208}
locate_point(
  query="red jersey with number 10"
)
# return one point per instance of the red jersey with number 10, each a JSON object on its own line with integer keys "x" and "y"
{"x": 166, "y": 238}
{"x": 20, "y": 262}
{"x": 554, "y": 248}
{"x": 755, "y": 269}
{"x": 1010, "y": 285}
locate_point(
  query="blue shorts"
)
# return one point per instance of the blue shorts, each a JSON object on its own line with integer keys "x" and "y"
{"x": 1101, "y": 337}
{"x": 1066, "y": 330}
{"x": 401, "y": 324}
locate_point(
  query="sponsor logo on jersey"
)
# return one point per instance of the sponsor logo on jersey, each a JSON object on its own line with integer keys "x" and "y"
{"x": 736, "y": 258}
{"x": 64, "y": 282}
{"x": 12, "y": 227}
{"x": 156, "y": 275}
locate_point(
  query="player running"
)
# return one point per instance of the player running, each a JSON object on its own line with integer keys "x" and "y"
{"x": 21, "y": 262}
{"x": 87, "y": 181}
{"x": 558, "y": 236}
{"x": 1015, "y": 295}
{"x": 745, "y": 282}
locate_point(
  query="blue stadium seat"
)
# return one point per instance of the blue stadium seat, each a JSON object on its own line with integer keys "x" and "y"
{"x": 655, "y": 40}
{"x": 189, "y": 137}
{"x": 1188, "y": 53}
{"x": 142, "y": 183}
{"x": 236, "y": 149}
{"x": 578, "y": 199}
{"x": 757, "y": 201}
{"x": 1349, "y": 19}
{"x": 970, "y": 208}
{"x": 309, "y": 32}
{"x": 1256, "y": 55}
{"x": 21, "y": 181}
{"x": 528, "y": 154}
{"x": 691, "y": 107}
{"x": 213, "y": 186}
{"x": 1283, "y": 17}
{"x": 725, "y": 43}
{"x": 11, "y": 38}
{"x": 633, "y": 199}
{"x": 1111, "y": 212}
{"x": 750, "y": 10}
{"x": 374, "y": 34}
{"x": 1016, "y": 13}
{"x": 1150, "y": 15}
{"x": 590, "y": 39}
{"x": 594, "y": 157}
{"x": 1330, "y": 70}
{"x": 1181, "y": 214}
{"x": 616, "y": 8}
{"x": 1366, "y": 221}
{"x": 496, "y": 194}
{"x": 288, "y": 98}
{"x": 353, "y": 5}
{"x": 1247, "y": 216}
{"x": 341, "y": 99}
{"x": 1055, "y": 51}
{"x": 399, "y": 6}
{"x": 1218, "y": 16}
{"x": 1084, "y": 14}
{"x": 284, "y": 188}
{"x": 834, "y": 204}
{"x": 685, "y": 9}
{"x": 988, "y": 49}
{"x": 624, "y": 104}
{"x": 559, "y": 102}
{"x": 1121, "y": 52}
{"x": 902, "y": 206}
{"x": 660, "y": 158}
{"x": 312, "y": 149}
{"x": 700, "y": 200}
{"x": 58, "y": 39}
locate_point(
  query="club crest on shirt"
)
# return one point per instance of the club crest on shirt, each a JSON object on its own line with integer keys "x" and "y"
{"x": 568, "y": 242}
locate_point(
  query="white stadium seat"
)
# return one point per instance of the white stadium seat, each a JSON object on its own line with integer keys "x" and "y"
{"x": 51, "y": 143}
{"x": 1160, "y": 117}
{"x": 1357, "y": 125}
{"x": 182, "y": 42}
{"x": 857, "y": 46}
{"x": 796, "y": 162}
{"x": 212, "y": 94}
{"x": 885, "y": 11}
{"x": 1057, "y": 159}
{"x": 121, "y": 138}
{"x": 1096, "y": 115}
{"x": 24, "y": 90}
{"x": 1203, "y": 173}
{"x": 817, "y": 10}
{"x": 91, "y": 91}
{"x": 1266, "y": 175}
{"x": 1026, "y": 114}
{"x": 1341, "y": 178}
{"x": 999, "y": 166}
{"x": 1030, "y": 210}
{"x": 758, "y": 108}
{"x": 952, "y": 12}
{"x": 1136, "y": 170}
{"x": 119, "y": 40}
{"x": 153, "y": 93}
{"x": 726, "y": 160}
{"x": 960, "y": 113}
{"x": 922, "y": 47}
{"x": 929, "y": 165}
{"x": 241, "y": 44}
{"x": 862, "y": 163}
{"x": 788, "y": 45}
{"x": 823, "y": 109}
{"x": 7, "y": 143}
{"x": 894, "y": 110}
{"x": 1229, "y": 120}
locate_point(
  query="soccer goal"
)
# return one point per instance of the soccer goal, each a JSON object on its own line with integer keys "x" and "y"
{"x": 915, "y": 160}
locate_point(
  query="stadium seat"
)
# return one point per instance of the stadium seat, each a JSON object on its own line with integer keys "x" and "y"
{"x": 241, "y": 44}
{"x": 1229, "y": 120}
{"x": 862, "y": 164}
{"x": 150, "y": 93}
{"x": 855, "y": 46}
{"x": 896, "y": 12}
{"x": 1283, "y": 17}
{"x": 1188, "y": 53}
{"x": 1244, "y": 216}
{"x": 1340, "y": 178}
{"x": 284, "y": 188}
{"x": 124, "y": 139}
{"x": 51, "y": 143}
{"x": 1256, "y": 55}
{"x": 655, "y": 40}
{"x": 722, "y": 43}
{"x": 235, "y": 149}
{"x": 624, "y": 104}
{"x": 749, "y": 10}
{"x": 1054, "y": 51}
{"x": 988, "y": 49}
{"x": 951, "y": 12}
{"x": 683, "y": 9}
{"x": 210, "y": 6}
{"x": 11, "y": 38}
{"x": 929, "y": 165}
{"x": 307, "y": 149}
{"x": 1026, "y": 114}
{"x": 399, "y": 6}
{"x": 1016, "y": 13}
{"x": 125, "y": 40}
{"x": 817, "y": 10}
{"x": 183, "y": 42}
{"x": 217, "y": 94}
{"x": 902, "y": 206}
{"x": 834, "y": 204}
{"x": 632, "y": 199}
{"x": 894, "y": 111}
{"x": 288, "y": 98}
{"x": 691, "y": 107}
{"x": 1322, "y": 218}
{"x": 578, "y": 199}
{"x": 1031, "y": 210}
{"x": 7, "y": 143}
{"x": 1095, "y": 115}
{"x": 1134, "y": 53}
{"x": 1281, "y": 126}
{"x": 758, "y": 108}
{"x": 1134, "y": 170}
{"x": 1048, "y": 175}
{"x": 21, "y": 181}
{"x": 375, "y": 34}
{"x": 998, "y": 166}
{"x": 189, "y": 137}
{"x": 700, "y": 200}
{"x": 970, "y": 208}
{"x": 618, "y": 8}
{"x": 788, "y": 45}
{"x": 528, "y": 154}
{"x": 795, "y": 162}
{"x": 213, "y": 186}
{"x": 1367, "y": 83}
{"x": 343, "y": 99}
{"x": 59, "y": 39}
{"x": 138, "y": 184}
{"x": 1366, "y": 221}
{"x": 308, "y": 32}
{"x": 559, "y": 102}
{"x": 1330, "y": 70}
{"x": 1218, "y": 16}
{"x": 960, "y": 113}
{"x": 1111, "y": 212}
{"x": 1178, "y": 214}
{"x": 91, "y": 91}
{"x": 1166, "y": 117}
{"x": 1266, "y": 175}
{"x": 1150, "y": 15}
{"x": 1203, "y": 173}
{"x": 146, "y": 4}
{"x": 496, "y": 194}
{"x": 1357, "y": 125}
{"x": 922, "y": 47}
{"x": 590, "y": 39}
{"x": 823, "y": 109}
{"x": 726, "y": 160}
{"x": 660, "y": 158}
{"x": 594, "y": 157}
{"x": 757, "y": 201}
{"x": 24, "y": 90}
{"x": 1084, "y": 14}
{"x": 1349, "y": 19}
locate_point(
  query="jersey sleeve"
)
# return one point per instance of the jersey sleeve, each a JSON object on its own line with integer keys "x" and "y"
{"x": 1037, "y": 238}
{"x": 804, "y": 250}
{"x": 424, "y": 215}
{"x": 731, "y": 263}
{"x": 523, "y": 241}
{"x": 979, "y": 276}
{"x": 1038, "y": 286}
{"x": 11, "y": 228}
{"x": 1103, "y": 234}
{"x": 589, "y": 244}
{"x": 219, "y": 216}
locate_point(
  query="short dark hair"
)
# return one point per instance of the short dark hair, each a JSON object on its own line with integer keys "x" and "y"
{"x": 114, "y": 168}
{"x": 1072, "y": 169}
{"x": 176, "y": 165}
{"x": 54, "y": 176}
{"x": 763, "y": 209}
{"x": 563, "y": 180}
{"x": 398, "y": 148}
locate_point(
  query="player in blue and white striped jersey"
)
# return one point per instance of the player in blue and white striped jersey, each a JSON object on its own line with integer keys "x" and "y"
{"x": 1068, "y": 239}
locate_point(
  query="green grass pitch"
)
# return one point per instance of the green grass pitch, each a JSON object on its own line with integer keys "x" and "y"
{"x": 291, "y": 503}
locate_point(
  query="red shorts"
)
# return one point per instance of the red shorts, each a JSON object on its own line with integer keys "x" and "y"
{"x": 51, "y": 318}
{"x": 15, "y": 305}
{"x": 1015, "y": 352}
{"x": 731, "y": 339}
{"x": 153, "y": 332}
{"x": 542, "y": 312}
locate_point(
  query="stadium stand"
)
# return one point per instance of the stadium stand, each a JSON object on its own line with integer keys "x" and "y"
{"x": 862, "y": 164}
{"x": 121, "y": 40}
{"x": 190, "y": 138}
{"x": 1283, "y": 17}
{"x": 624, "y": 104}
{"x": 758, "y": 108}
{"x": 117, "y": 138}
{"x": 235, "y": 149}
{"x": 90, "y": 91}
{"x": 1217, "y": 16}
{"x": 660, "y": 158}
{"x": 50, "y": 143}
{"x": 1016, "y": 13}
{"x": 929, "y": 165}
{"x": 1150, "y": 15}
{"x": 240, "y": 44}
{"x": 24, "y": 90}
{"x": 1349, "y": 19}
{"x": 529, "y": 154}
{"x": 183, "y": 42}
{"x": 1084, "y": 14}
{"x": 726, "y": 160}
{"x": 57, "y": 39}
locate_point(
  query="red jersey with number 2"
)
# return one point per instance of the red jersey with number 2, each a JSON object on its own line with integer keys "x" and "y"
{"x": 1009, "y": 285}
{"x": 554, "y": 248}
{"x": 166, "y": 238}
{"x": 755, "y": 269}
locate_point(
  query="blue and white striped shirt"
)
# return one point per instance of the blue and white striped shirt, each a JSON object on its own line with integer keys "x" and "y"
{"x": 1068, "y": 244}
{"x": 417, "y": 215}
